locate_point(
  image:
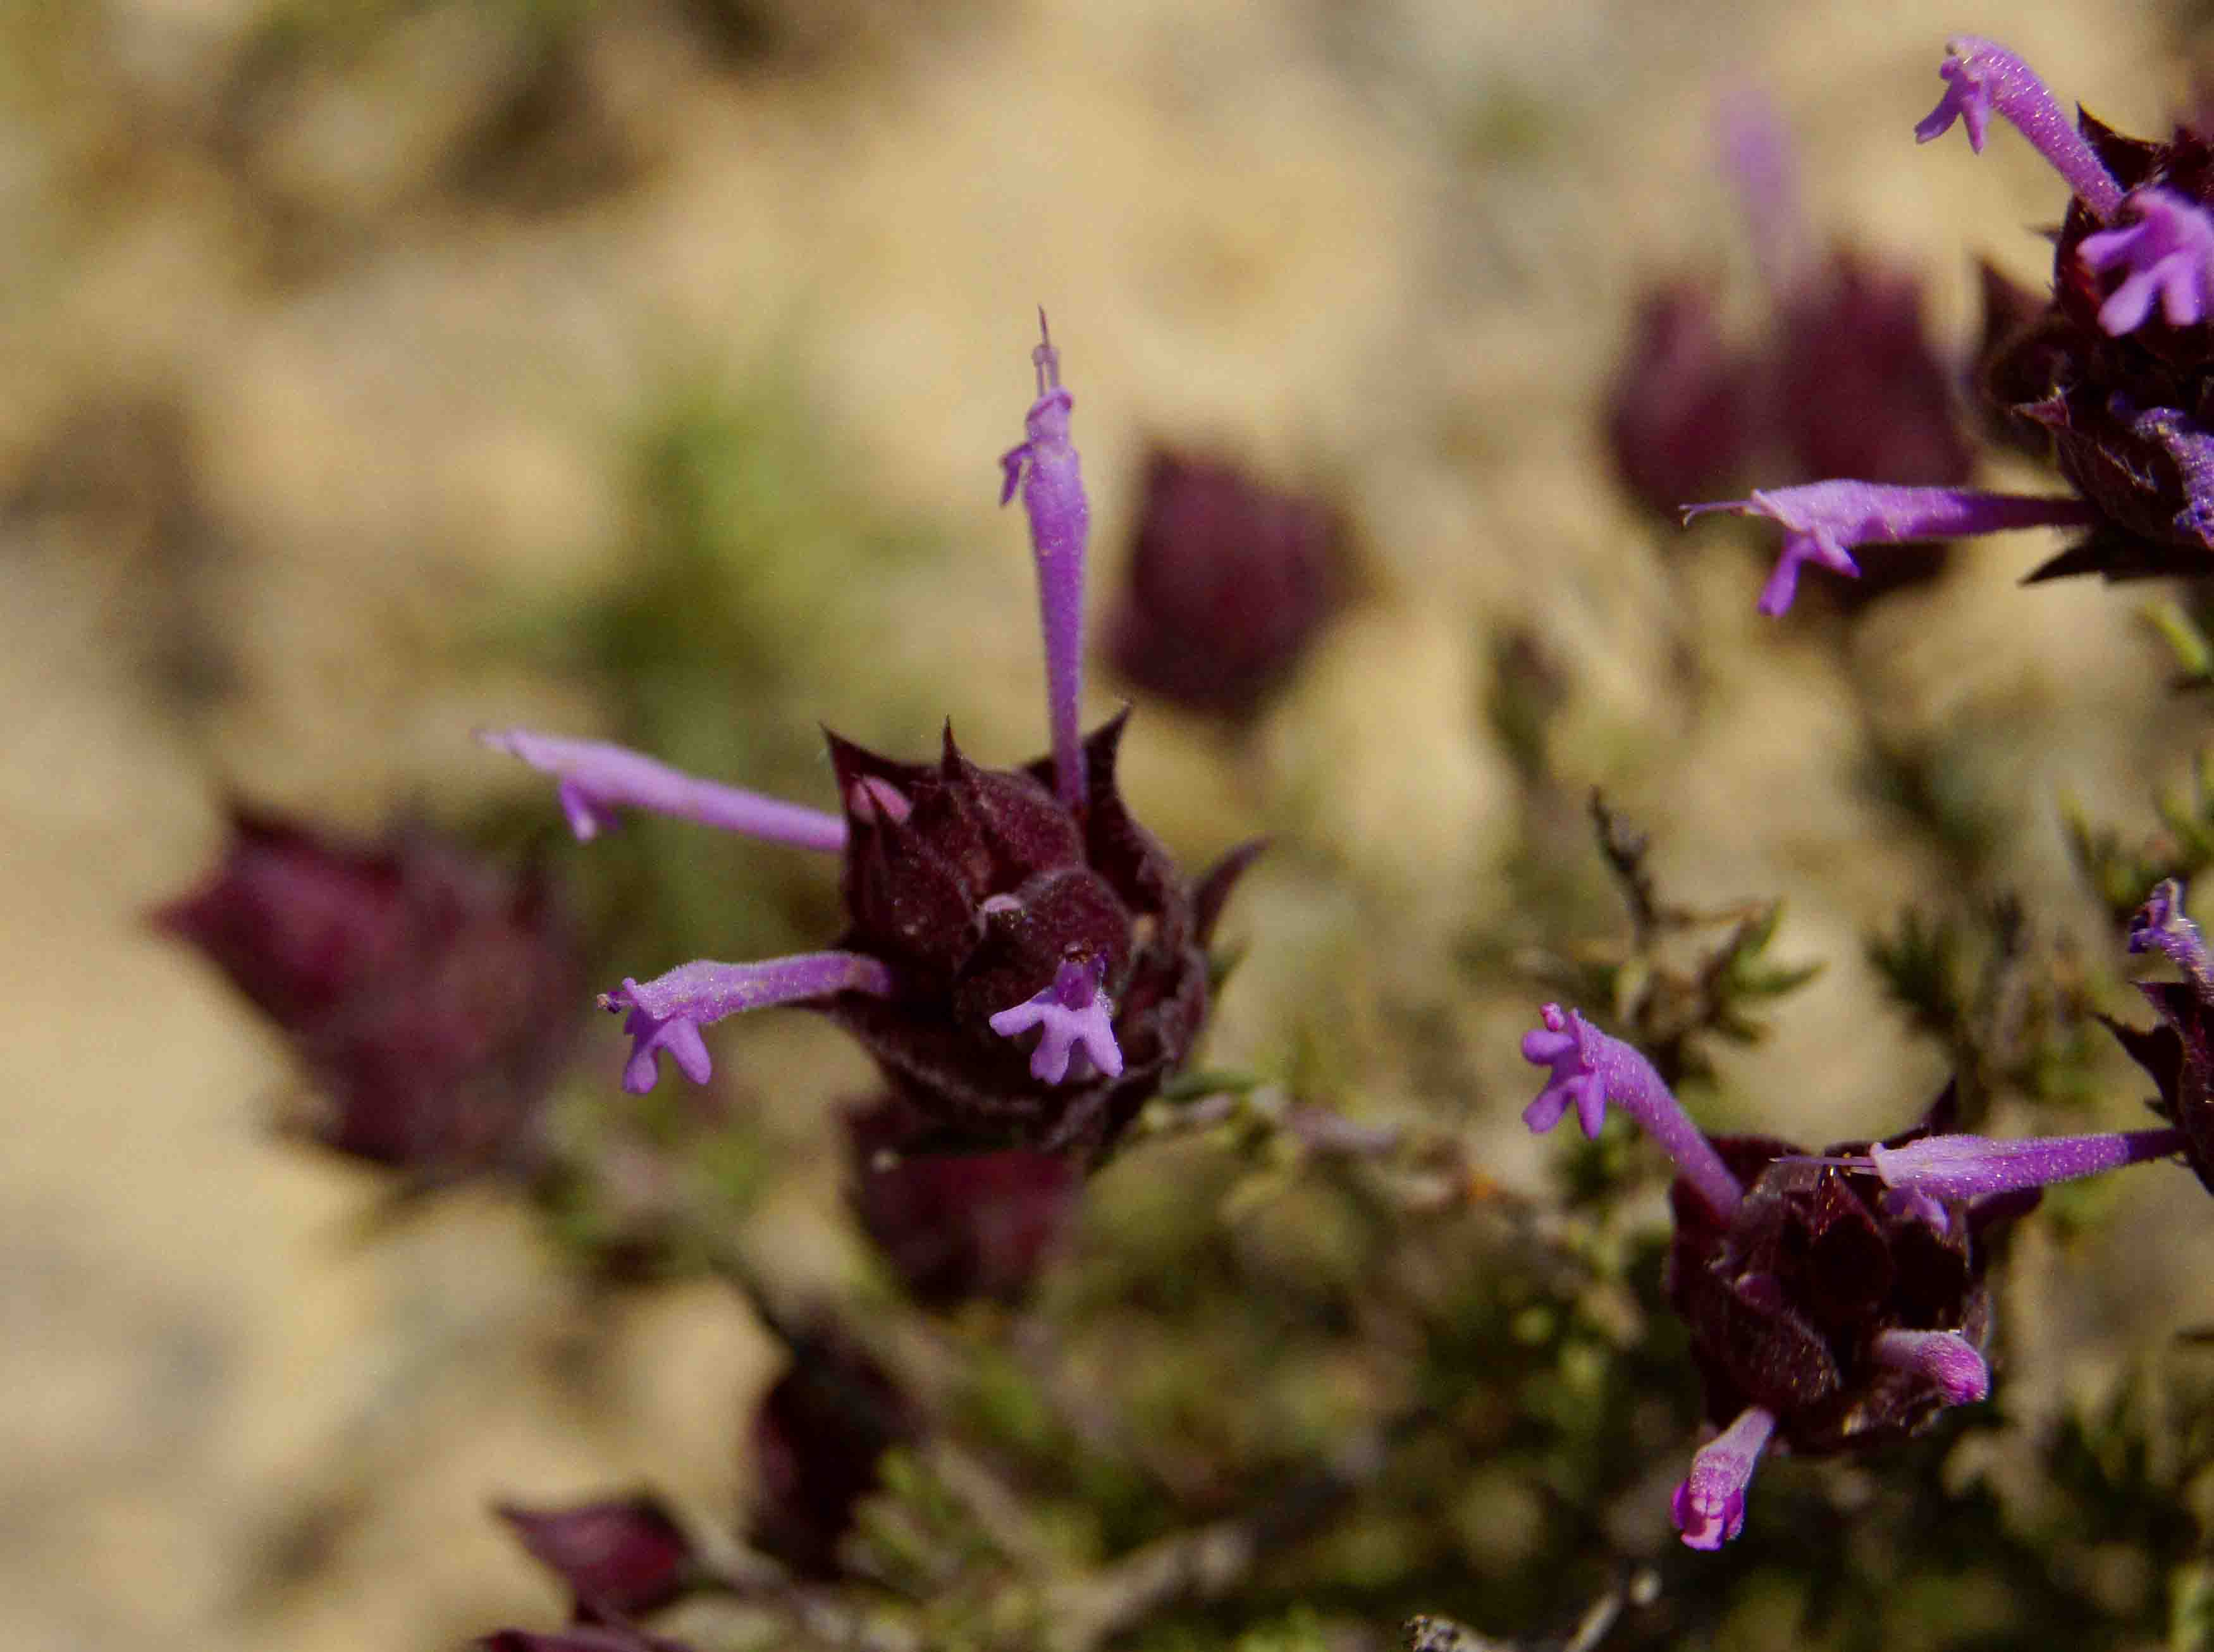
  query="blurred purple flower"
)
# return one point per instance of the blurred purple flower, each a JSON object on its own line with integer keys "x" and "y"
{"x": 431, "y": 997}
{"x": 956, "y": 1226}
{"x": 1859, "y": 389}
{"x": 1230, "y": 583}
{"x": 974, "y": 897}
{"x": 2105, "y": 375}
{"x": 1845, "y": 381}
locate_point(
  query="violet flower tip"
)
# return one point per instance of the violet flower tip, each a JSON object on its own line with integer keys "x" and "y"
{"x": 1705, "y": 1529}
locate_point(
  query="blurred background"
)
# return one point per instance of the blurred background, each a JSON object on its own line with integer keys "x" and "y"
{"x": 380, "y": 371}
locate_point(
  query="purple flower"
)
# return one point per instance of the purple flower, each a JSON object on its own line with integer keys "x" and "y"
{"x": 619, "y": 1558}
{"x": 1825, "y": 1309}
{"x": 1020, "y": 958}
{"x": 430, "y": 997}
{"x": 2105, "y": 377}
{"x": 1708, "y": 1508}
{"x": 1075, "y": 1022}
{"x": 1982, "y": 77}
{"x": 2167, "y": 254}
{"x": 1823, "y": 522}
{"x": 1230, "y": 582}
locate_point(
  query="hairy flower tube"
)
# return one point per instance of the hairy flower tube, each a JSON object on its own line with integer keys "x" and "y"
{"x": 1826, "y": 1311}
{"x": 2102, "y": 377}
{"x": 1020, "y": 958}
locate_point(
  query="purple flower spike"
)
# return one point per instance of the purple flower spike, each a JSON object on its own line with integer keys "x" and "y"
{"x": 597, "y": 779}
{"x": 1078, "y": 1021}
{"x": 1948, "y": 1361}
{"x": 1982, "y": 77}
{"x": 1591, "y": 1069}
{"x": 2168, "y": 253}
{"x": 1708, "y": 1508}
{"x": 668, "y": 1012}
{"x": 1974, "y": 1167}
{"x": 2161, "y": 926}
{"x": 1045, "y": 467}
{"x": 1822, "y": 521}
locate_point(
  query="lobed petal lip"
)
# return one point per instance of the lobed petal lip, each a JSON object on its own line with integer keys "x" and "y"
{"x": 1077, "y": 1021}
{"x": 1590, "y": 1069}
{"x": 1982, "y": 78}
{"x": 2165, "y": 254}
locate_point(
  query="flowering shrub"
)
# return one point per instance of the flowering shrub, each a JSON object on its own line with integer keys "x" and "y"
{"x": 2106, "y": 371}
{"x": 982, "y": 905}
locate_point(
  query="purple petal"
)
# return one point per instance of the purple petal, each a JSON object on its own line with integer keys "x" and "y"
{"x": 597, "y": 779}
{"x": 2166, "y": 253}
{"x": 1982, "y": 78}
{"x": 1060, "y": 524}
{"x": 1077, "y": 1021}
{"x": 667, "y": 1012}
{"x": 1822, "y": 521}
{"x": 1590, "y": 1069}
{"x": 2159, "y": 926}
{"x": 1708, "y": 1508}
{"x": 1975, "y": 1166}
{"x": 1945, "y": 1359}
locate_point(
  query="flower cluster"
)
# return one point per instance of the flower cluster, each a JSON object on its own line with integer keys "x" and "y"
{"x": 1836, "y": 1300}
{"x": 2104, "y": 377}
{"x": 1844, "y": 380}
{"x": 1021, "y": 957}
{"x": 431, "y": 997}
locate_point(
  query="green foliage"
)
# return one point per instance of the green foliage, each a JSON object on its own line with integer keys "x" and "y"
{"x": 2012, "y": 1007}
{"x": 2121, "y": 870}
{"x": 1682, "y": 975}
